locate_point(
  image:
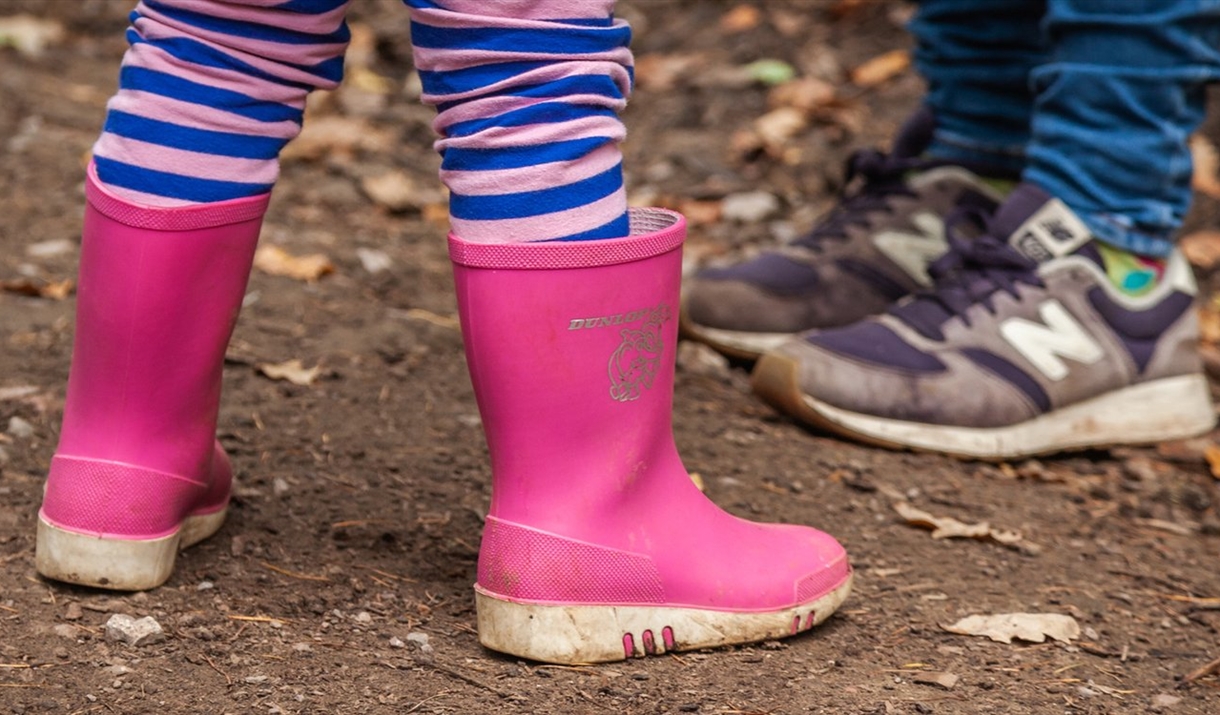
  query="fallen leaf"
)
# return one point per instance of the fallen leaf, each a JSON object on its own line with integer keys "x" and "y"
{"x": 1201, "y": 248}
{"x": 28, "y": 34}
{"x": 321, "y": 135}
{"x": 55, "y": 290}
{"x": 1209, "y": 323}
{"x": 1212, "y": 454}
{"x": 291, "y": 370}
{"x": 932, "y": 677}
{"x": 700, "y": 213}
{"x": 776, "y": 127}
{"x": 770, "y": 72}
{"x": 698, "y": 480}
{"x": 740, "y": 19}
{"x": 950, "y": 528}
{"x": 1206, "y": 160}
{"x": 660, "y": 73}
{"x": 805, "y": 94}
{"x": 278, "y": 262}
{"x": 881, "y": 68}
{"x": 1031, "y": 627}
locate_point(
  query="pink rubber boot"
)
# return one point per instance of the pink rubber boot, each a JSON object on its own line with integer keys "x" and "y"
{"x": 598, "y": 546}
{"x": 138, "y": 473}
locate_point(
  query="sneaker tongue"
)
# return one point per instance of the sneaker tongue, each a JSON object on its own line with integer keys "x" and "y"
{"x": 1038, "y": 225}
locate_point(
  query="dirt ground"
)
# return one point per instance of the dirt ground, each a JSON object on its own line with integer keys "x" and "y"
{"x": 341, "y": 582}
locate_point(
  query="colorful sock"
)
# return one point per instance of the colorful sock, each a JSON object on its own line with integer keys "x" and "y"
{"x": 528, "y": 94}
{"x": 210, "y": 92}
{"x": 1130, "y": 272}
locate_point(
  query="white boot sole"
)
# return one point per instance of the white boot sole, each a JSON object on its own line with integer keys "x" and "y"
{"x": 1150, "y": 412}
{"x": 117, "y": 564}
{"x": 577, "y": 634}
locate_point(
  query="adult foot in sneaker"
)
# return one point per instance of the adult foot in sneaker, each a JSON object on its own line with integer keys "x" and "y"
{"x": 872, "y": 249}
{"x": 1036, "y": 339}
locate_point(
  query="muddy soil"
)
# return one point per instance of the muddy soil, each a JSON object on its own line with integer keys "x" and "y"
{"x": 354, "y": 532}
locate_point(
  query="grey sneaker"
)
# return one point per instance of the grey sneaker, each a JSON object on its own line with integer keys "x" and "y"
{"x": 1024, "y": 347}
{"x": 871, "y": 250}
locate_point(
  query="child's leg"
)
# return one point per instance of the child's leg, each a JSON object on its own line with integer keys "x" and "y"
{"x": 210, "y": 92}
{"x": 528, "y": 95}
{"x": 976, "y": 56}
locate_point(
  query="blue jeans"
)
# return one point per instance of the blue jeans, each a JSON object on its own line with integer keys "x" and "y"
{"x": 1093, "y": 99}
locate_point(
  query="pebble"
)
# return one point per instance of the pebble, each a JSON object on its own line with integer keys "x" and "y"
{"x": 420, "y": 640}
{"x": 64, "y": 630}
{"x": 699, "y": 359}
{"x": 73, "y": 612}
{"x": 364, "y": 617}
{"x": 20, "y": 428}
{"x": 1163, "y": 701}
{"x": 205, "y": 586}
{"x": 397, "y": 642}
{"x": 749, "y": 206}
{"x": 373, "y": 260}
{"x": 134, "y": 631}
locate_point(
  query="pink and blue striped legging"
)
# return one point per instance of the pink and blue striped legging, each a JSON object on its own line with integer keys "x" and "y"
{"x": 527, "y": 92}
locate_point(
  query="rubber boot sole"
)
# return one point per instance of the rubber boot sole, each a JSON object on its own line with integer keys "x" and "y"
{"x": 575, "y": 634}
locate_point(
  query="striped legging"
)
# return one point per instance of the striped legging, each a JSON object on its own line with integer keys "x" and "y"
{"x": 527, "y": 92}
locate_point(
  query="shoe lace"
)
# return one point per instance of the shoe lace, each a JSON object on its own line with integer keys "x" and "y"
{"x": 971, "y": 273}
{"x": 883, "y": 178}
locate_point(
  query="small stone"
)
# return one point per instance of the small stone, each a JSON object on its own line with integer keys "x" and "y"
{"x": 134, "y": 631}
{"x": 699, "y": 359}
{"x": 280, "y": 486}
{"x": 64, "y": 630}
{"x": 364, "y": 617}
{"x": 61, "y": 653}
{"x": 420, "y": 640}
{"x": 373, "y": 260}
{"x": 51, "y": 248}
{"x": 749, "y": 206}
{"x": 1164, "y": 701}
{"x": 256, "y": 679}
{"x": 73, "y": 612}
{"x": 397, "y": 642}
{"x": 205, "y": 586}
{"x": 20, "y": 428}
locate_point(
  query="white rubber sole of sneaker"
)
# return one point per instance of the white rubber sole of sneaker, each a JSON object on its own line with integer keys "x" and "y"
{"x": 734, "y": 343}
{"x": 571, "y": 635}
{"x": 117, "y": 564}
{"x": 1165, "y": 409}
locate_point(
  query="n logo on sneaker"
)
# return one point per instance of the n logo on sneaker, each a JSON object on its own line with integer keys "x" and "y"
{"x": 1057, "y": 336}
{"x": 1052, "y": 231}
{"x": 911, "y": 251}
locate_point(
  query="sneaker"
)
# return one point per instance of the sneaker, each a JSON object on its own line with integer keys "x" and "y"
{"x": 1026, "y": 346}
{"x": 872, "y": 249}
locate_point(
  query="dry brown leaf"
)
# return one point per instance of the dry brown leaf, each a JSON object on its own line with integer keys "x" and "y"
{"x": 291, "y": 370}
{"x": 932, "y": 677}
{"x": 1212, "y": 454}
{"x": 397, "y": 191}
{"x": 321, "y": 135}
{"x": 698, "y": 480}
{"x": 950, "y": 528}
{"x": 1201, "y": 248}
{"x": 28, "y": 34}
{"x": 54, "y": 290}
{"x": 659, "y": 73}
{"x": 740, "y": 19}
{"x": 278, "y": 262}
{"x": 1031, "y": 627}
{"x": 805, "y": 93}
{"x": 1209, "y": 323}
{"x": 880, "y": 68}
{"x": 1206, "y": 177}
{"x": 700, "y": 213}
{"x": 776, "y": 127}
